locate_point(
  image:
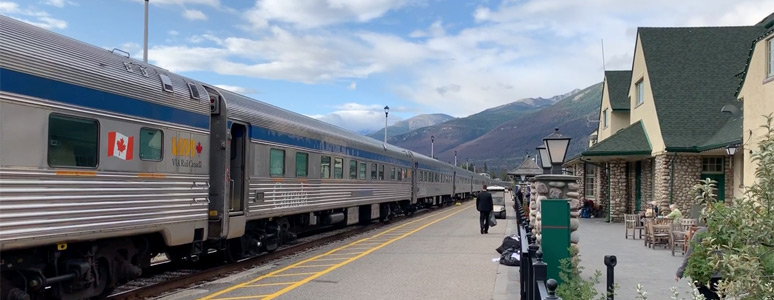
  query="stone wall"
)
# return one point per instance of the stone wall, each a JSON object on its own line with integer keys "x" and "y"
{"x": 601, "y": 186}
{"x": 631, "y": 196}
{"x": 619, "y": 193}
{"x": 729, "y": 176}
{"x": 647, "y": 182}
{"x": 687, "y": 171}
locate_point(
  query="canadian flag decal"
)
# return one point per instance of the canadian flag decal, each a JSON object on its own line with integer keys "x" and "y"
{"x": 120, "y": 145}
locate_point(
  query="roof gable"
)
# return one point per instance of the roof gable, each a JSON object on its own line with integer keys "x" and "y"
{"x": 631, "y": 140}
{"x": 618, "y": 88}
{"x": 692, "y": 75}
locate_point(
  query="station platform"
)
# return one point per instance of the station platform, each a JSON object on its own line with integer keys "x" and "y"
{"x": 440, "y": 255}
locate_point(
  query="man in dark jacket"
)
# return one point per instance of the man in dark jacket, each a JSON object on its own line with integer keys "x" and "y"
{"x": 485, "y": 206}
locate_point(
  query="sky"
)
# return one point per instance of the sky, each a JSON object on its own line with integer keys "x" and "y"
{"x": 342, "y": 61}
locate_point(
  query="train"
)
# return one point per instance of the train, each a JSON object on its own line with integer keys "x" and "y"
{"x": 107, "y": 162}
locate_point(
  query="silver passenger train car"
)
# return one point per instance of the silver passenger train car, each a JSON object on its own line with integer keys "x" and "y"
{"x": 107, "y": 161}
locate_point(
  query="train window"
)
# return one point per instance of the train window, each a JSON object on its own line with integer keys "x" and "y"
{"x": 302, "y": 164}
{"x": 151, "y": 141}
{"x": 338, "y": 168}
{"x": 277, "y": 162}
{"x": 373, "y": 171}
{"x": 362, "y": 171}
{"x": 74, "y": 142}
{"x": 381, "y": 172}
{"x": 352, "y": 169}
{"x": 400, "y": 174}
{"x": 437, "y": 177}
{"x": 392, "y": 173}
{"x": 193, "y": 90}
{"x": 325, "y": 167}
{"x": 166, "y": 83}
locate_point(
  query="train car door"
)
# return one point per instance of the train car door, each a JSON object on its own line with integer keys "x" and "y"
{"x": 217, "y": 216}
{"x": 414, "y": 185}
{"x": 237, "y": 166}
{"x": 454, "y": 184}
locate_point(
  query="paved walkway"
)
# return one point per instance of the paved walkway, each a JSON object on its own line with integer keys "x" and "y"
{"x": 654, "y": 269}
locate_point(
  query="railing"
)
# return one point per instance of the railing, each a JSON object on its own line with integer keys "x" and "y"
{"x": 533, "y": 283}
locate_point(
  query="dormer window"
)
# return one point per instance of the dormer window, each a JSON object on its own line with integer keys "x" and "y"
{"x": 605, "y": 117}
{"x": 640, "y": 90}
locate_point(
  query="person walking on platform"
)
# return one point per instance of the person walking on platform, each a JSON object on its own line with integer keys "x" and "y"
{"x": 485, "y": 206}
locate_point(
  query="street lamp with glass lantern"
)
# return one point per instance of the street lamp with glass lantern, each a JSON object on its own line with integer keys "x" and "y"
{"x": 543, "y": 160}
{"x": 432, "y": 143}
{"x": 386, "y": 112}
{"x": 556, "y": 146}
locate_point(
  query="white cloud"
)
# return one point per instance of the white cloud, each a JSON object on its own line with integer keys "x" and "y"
{"x": 287, "y": 56}
{"x": 362, "y": 118}
{"x": 316, "y": 13}
{"x": 352, "y": 85}
{"x": 213, "y": 3}
{"x": 59, "y": 3}
{"x": 173, "y": 32}
{"x": 194, "y": 15}
{"x": 32, "y": 16}
{"x": 436, "y": 29}
{"x": 237, "y": 89}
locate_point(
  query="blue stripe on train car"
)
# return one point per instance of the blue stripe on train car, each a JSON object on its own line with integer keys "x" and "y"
{"x": 44, "y": 88}
{"x": 279, "y": 137}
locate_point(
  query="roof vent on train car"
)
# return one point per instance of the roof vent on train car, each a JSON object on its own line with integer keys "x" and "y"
{"x": 193, "y": 90}
{"x": 166, "y": 83}
{"x": 144, "y": 71}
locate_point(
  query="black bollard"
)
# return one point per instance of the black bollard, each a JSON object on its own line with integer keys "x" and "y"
{"x": 551, "y": 286}
{"x": 610, "y": 262}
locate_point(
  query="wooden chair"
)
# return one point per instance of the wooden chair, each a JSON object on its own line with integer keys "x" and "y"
{"x": 658, "y": 233}
{"x": 677, "y": 237}
{"x": 686, "y": 224}
{"x": 632, "y": 222}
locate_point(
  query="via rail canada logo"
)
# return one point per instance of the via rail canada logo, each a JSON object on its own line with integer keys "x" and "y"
{"x": 188, "y": 153}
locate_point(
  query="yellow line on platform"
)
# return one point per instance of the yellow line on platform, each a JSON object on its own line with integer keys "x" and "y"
{"x": 271, "y": 284}
{"x": 291, "y": 274}
{"x": 313, "y": 266}
{"x": 332, "y": 252}
{"x": 327, "y": 259}
{"x": 242, "y": 297}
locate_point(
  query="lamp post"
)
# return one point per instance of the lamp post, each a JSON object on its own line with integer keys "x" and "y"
{"x": 543, "y": 160}
{"x": 556, "y": 146}
{"x": 467, "y": 164}
{"x": 386, "y": 112}
{"x": 455, "y": 158}
{"x": 432, "y": 143}
{"x": 145, "y": 36}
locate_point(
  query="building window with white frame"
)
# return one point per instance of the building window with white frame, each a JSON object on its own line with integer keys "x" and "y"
{"x": 589, "y": 180}
{"x": 640, "y": 90}
{"x": 770, "y": 53}
{"x": 605, "y": 118}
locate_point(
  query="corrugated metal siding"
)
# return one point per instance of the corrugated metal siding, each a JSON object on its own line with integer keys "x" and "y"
{"x": 288, "y": 198}
{"x": 39, "y": 204}
{"x": 39, "y": 52}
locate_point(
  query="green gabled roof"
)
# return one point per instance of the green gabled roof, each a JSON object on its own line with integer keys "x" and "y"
{"x": 618, "y": 86}
{"x": 528, "y": 167}
{"x": 730, "y": 133}
{"x": 631, "y": 140}
{"x": 692, "y": 75}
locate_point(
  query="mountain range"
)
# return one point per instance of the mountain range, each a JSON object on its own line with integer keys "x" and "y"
{"x": 410, "y": 124}
{"x": 501, "y": 136}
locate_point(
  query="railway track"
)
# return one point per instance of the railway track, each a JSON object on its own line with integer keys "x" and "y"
{"x": 165, "y": 277}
